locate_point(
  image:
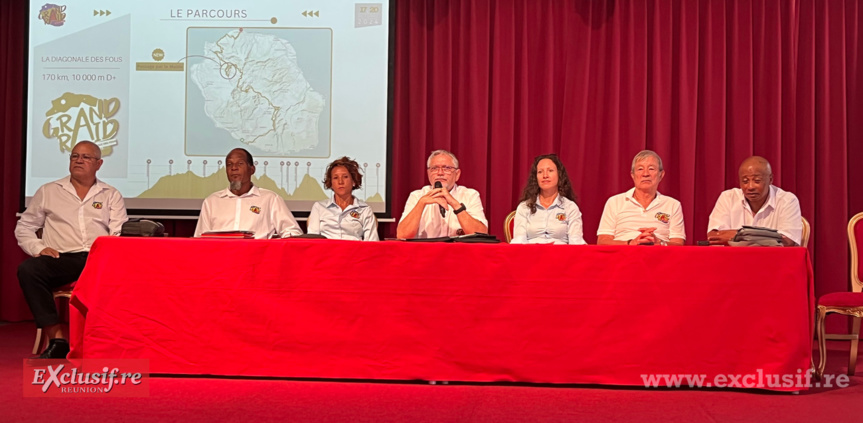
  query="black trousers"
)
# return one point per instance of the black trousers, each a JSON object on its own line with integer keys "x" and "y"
{"x": 39, "y": 276}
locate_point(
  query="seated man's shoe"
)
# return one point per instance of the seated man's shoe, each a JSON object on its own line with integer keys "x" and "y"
{"x": 57, "y": 349}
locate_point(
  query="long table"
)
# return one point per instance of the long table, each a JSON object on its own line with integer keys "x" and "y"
{"x": 445, "y": 312}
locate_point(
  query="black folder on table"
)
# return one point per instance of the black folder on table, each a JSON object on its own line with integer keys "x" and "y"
{"x": 477, "y": 238}
{"x": 438, "y": 239}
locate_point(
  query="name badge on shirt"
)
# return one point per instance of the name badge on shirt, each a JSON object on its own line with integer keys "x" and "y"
{"x": 255, "y": 209}
{"x": 97, "y": 205}
{"x": 354, "y": 214}
{"x": 663, "y": 217}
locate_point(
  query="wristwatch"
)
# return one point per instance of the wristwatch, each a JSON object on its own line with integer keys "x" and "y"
{"x": 460, "y": 209}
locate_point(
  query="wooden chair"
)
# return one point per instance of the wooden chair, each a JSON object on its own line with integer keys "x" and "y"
{"x": 845, "y": 303}
{"x": 509, "y": 226}
{"x": 61, "y": 293}
{"x": 804, "y": 240}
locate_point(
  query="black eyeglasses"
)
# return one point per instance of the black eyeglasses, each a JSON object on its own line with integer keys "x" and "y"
{"x": 445, "y": 169}
{"x": 85, "y": 157}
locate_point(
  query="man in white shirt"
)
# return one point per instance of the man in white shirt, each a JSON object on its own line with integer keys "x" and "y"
{"x": 450, "y": 210}
{"x": 245, "y": 207}
{"x": 71, "y": 212}
{"x": 756, "y": 203}
{"x": 642, "y": 216}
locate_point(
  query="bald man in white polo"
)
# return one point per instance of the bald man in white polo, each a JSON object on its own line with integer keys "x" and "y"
{"x": 756, "y": 203}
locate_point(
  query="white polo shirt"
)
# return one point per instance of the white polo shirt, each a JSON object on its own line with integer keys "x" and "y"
{"x": 780, "y": 212}
{"x": 622, "y": 217}
{"x": 560, "y": 223}
{"x": 432, "y": 225}
{"x": 356, "y": 222}
{"x": 70, "y": 224}
{"x": 259, "y": 210}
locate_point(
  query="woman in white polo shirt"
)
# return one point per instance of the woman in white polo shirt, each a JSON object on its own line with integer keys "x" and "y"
{"x": 547, "y": 213}
{"x": 343, "y": 216}
{"x": 642, "y": 216}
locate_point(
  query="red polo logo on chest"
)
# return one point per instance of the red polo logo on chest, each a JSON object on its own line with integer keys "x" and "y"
{"x": 255, "y": 209}
{"x": 560, "y": 217}
{"x": 97, "y": 205}
{"x": 662, "y": 217}
{"x": 354, "y": 214}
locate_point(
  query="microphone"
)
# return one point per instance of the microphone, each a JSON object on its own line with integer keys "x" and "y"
{"x": 437, "y": 184}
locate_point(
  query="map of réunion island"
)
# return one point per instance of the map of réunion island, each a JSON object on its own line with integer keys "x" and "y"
{"x": 254, "y": 89}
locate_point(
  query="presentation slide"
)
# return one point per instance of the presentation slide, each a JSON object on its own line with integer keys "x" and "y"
{"x": 168, "y": 88}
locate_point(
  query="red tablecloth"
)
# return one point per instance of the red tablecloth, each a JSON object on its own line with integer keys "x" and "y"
{"x": 457, "y": 312}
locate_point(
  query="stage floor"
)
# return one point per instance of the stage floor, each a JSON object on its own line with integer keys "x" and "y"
{"x": 229, "y": 399}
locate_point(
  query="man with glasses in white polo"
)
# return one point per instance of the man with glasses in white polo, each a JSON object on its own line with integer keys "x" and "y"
{"x": 442, "y": 208}
{"x": 71, "y": 212}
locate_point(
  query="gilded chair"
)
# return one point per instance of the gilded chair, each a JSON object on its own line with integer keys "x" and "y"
{"x": 63, "y": 294}
{"x": 509, "y": 226}
{"x": 845, "y": 303}
{"x": 804, "y": 240}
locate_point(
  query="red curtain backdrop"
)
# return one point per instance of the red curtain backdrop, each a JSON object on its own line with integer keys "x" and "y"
{"x": 12, "y": 86}
{"x": 703, "y": 83}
